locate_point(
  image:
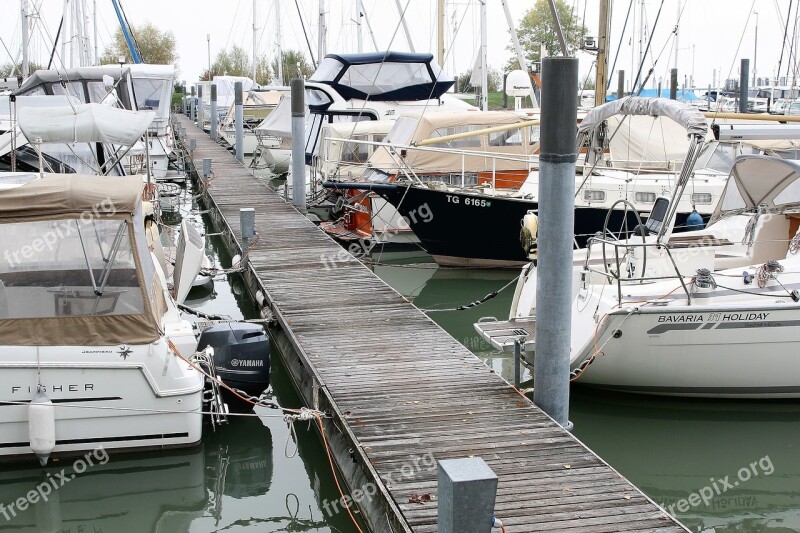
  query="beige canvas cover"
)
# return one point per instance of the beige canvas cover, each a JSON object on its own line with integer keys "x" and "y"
{"x": 59, "y": 196}
{"x": 411, "y": 129}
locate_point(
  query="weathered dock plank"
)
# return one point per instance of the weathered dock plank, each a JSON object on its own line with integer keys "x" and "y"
{"x": 401, "y": 389}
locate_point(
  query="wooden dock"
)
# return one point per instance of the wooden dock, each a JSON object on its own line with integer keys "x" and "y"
{"x": 400, "y": 389}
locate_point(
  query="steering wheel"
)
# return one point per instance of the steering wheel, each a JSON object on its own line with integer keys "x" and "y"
{"x": 607, "y": 232}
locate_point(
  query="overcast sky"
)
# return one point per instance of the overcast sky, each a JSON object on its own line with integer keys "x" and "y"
{"x": 713, "y": 34}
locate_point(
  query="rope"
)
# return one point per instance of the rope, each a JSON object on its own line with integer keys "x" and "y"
{"x": 476, "y": 303}
{"x": 767, "y": 272}
{"x": 305, "y": 415}
{"x": 794, "y": 244}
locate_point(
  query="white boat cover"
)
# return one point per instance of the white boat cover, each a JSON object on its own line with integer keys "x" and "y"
{"x": 760, "y": 180}
{"x": 279, "y": 122}
{"x": 85, "y": 123}
{"x": 693, "y": 121}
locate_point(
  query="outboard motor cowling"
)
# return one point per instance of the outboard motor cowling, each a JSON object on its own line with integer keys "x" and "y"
{"x": 241, "y": 357}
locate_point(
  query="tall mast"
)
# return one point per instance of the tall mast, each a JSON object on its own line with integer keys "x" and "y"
{"x": 484, "y": 59}
{"x": 94, "y": 27}
{"x": 359, "y": 37}
{"x": 323, "y": 30}
{"x": 440, "y": 16}
{"x": 601, "y": 82}
{"x": 25, "y": 60}
{"x": 523, "y": 64}
{"x": 279, "y": 81}
{"x": 255, "y": 44}
{"x": 66, "y": 24}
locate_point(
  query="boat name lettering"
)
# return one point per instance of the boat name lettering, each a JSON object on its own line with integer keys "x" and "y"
{"x": 27, "y": 389}
{"x": 96, "y": 351}
{"x": 744, "y": 317}
{"x": 468, "y": 200}
{"x": 680, "y": 318}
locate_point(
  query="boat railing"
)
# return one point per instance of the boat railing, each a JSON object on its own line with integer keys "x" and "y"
{"x": 398, "y": 153}
{"x": 617, "y": 277}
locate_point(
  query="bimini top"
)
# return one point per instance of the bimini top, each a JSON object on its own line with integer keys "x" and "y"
{"x": 760, "y": 180}
{"x": 693, "y": 121}
{"x": 383, "y": 76}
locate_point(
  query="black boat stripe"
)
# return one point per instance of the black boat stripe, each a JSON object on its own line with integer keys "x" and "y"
{"x": 102, "y": 439}
{"x": 65, "y": 400}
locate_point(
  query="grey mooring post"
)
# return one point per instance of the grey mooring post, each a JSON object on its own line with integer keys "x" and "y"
{"x": 238, "y": 119}
{"x": 673, "y": 84}
{"x": 183, "y": 100}
{"x": 200, "y": 107}
{"x": 556, "y": 222}
{"x": 192, "y": 146}
{"x": 247, "y": 220}
{"x": 620, "y": 84}
{"x": 298, "y": 144}
{"x": 193, "y": 104}
{"x": 466, "y": 493}
{"x": 214, "y": 114}
{"x": 206, "y": 169}
{"x": 744, "y": 73}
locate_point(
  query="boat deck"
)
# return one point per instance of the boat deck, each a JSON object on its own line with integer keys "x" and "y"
{"x": 400, "y": 389}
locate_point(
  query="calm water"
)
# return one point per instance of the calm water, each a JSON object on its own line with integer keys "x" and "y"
{"x": 241, "y": 479}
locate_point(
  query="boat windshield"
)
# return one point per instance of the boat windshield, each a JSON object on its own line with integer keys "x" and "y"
{"x": 720, "y": 156}
{"x": 68, "y": 267}
{"x": 149, "y": 93}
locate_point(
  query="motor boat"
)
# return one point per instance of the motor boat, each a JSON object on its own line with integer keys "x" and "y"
{"x": 92, "y": 345}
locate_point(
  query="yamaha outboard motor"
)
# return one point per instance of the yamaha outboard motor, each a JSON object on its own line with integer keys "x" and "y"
{"x": 241, "y": 358}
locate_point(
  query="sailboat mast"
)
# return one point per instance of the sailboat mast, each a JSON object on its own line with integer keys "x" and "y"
{"x": 94, "y": 32}
{"x": 484, "y": 59}
{"x": 25, "y": 60}
{"x": 279, "y": 43}
{"x": 440, "y": 16}
{"x": 359, "y": 37}
{"x": 255, "y": 44}
{"x": 601, "y": 81}
{"x": 323, "y": 29}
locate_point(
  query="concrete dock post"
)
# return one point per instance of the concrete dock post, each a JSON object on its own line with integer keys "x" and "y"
{"x": 193, "y": 104}
{"x": 183, "y": 99}
{"x": 200, "y": 106}
{"x": 673, "y": 84}
{"x": 744, "y": 74}
{"x": 620, "y": 84}
{"x": 466, "y": 493}
{"x": 238, "y": 119}
{"x": 247, "y": 221}
{"x": 206, "y": 169}
{"x": 298, "y": 144}
{"x": 556, "y": 223}
{"x": 214, "y": 115}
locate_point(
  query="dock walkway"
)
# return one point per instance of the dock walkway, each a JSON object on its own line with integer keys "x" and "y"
{"x": 400, "y": 389}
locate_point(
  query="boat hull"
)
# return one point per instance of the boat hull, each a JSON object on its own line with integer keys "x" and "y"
{"x": 736, "y": 352}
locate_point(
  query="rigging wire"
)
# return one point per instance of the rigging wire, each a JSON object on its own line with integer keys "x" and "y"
{"x": 785, "y": 32}
{"x": 305, "y": 34}
{"x": 619, "y": 45}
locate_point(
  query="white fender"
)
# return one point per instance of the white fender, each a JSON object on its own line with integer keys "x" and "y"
{"x": 42, "y": 426}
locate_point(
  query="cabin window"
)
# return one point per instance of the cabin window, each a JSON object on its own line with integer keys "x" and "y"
{"x": 703, "y": 198}
{"x": 69, "y": 267}
{"x": 148, "y": 93}
{"x": 644, "y": 197}
{"x": 466, "y": 142}
{"x": 354, "y": 152}
{"x": 97, "y": 91}
{"x": 506, "y": 138}
{"x": 594, "y": 196}
{"x": 73, "y": 88}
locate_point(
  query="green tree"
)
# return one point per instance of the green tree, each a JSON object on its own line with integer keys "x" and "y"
{"x": 537, "y": 27}
{"x": 495, "y": 81}
{"x": 156, "y": 46}
{"x": 236, "y": 62}
{"x": 294, "y": 65}
{"x": 11, "y": 69}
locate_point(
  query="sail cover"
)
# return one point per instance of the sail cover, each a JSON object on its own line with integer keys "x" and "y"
{"x": 84, "y": 123}
{"x": 687, "y": 116}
